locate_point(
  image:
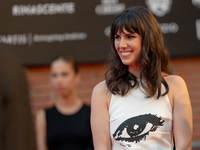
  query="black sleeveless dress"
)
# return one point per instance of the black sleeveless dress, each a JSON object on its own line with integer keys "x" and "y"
{"x": 69, "y": 132}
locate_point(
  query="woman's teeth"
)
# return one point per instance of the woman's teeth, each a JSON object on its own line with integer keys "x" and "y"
{"x": 126, "y": 53}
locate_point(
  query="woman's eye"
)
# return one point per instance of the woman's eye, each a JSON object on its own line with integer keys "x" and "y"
{"x": 53, "y": 75}
{"x": 117, "y": 37}
{"x": 64, "y": 74}
{"x": 131, "y": 37}
{"x": 137, "y": 128}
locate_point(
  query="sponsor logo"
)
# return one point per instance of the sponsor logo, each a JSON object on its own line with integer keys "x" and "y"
{"x": 59, "y": 37}
{"x": 23, "y": 39}
{"x": 43, "y": 9}
{"x": 14, "y": 39}
{"x": 198, "y": 28}
{"x": 109, "y": 7}
{"x": 159, "y": 7}
{"x": 196, "y": 3}
{"x": 169, "y": 27}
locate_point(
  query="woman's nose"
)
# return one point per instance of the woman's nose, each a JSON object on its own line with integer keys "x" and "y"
{"x": 123, "y": 43}
{"x": 59, "y": 79}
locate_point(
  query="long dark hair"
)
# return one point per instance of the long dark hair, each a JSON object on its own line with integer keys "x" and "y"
{"x": 154, "y": 56}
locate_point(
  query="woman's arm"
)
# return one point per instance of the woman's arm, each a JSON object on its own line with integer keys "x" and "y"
{"x": 100, "y": 117}
{"x": 182, "y": 114}
{"x": 41, "y": 130}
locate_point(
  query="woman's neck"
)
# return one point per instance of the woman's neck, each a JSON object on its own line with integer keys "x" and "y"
{"x": 68, "y": 104}
{"x": 135, "y": 70}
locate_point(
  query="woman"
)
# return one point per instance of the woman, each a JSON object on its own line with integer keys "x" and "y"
{"x": 66, "y": 126}
{"x": 140, "y": 105}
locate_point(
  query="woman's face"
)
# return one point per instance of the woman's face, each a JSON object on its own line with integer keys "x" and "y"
{"x": 63, "y": 77}
{"x": 128, "y": 46}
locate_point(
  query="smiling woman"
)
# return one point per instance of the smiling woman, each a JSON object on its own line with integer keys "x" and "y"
{"x": 142, "y": 105}
{"x": 128, "y": 46}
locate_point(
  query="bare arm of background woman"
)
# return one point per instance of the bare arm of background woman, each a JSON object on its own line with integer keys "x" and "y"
{"x": 182, "y": 113}
{"x": 41, "y": 130}
{"x": 100, "y": 117}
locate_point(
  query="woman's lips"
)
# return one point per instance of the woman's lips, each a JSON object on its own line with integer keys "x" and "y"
{"x": 60, "y": 88}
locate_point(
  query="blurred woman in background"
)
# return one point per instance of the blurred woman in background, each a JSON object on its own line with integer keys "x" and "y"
{"x": 66, "y": 126}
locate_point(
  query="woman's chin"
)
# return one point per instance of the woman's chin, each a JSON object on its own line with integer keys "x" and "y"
{"x": 126, "y": 62}
{"x": 61, "y": 93}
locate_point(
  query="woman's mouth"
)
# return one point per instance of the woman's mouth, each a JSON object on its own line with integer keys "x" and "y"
{"x": 60, "y": 88}
{"x": 126, "y": 53}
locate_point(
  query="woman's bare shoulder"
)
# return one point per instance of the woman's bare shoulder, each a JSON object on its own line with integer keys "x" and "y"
{"x": 40, "y": 114}
{"x": 176, "y": 83}
{"x": 101, "y": 91}
{"x": 174, "y": 79}
{"x": 101, "y": 87}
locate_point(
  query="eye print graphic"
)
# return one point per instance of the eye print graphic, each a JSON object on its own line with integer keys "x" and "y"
{"x": 137, "y": 128}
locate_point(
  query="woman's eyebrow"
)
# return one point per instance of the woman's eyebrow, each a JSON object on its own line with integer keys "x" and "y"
{"x": 133, "y": 32}
{"x": 129, "y": 34}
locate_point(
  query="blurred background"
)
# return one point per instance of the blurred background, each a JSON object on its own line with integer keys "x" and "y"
{"x": 39, "y": 30}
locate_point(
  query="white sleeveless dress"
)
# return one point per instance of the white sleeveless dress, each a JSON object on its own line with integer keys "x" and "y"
{"x": 139, "y": 123}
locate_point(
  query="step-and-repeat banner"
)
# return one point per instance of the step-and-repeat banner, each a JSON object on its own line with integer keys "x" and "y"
{"x": 39, "y": 30}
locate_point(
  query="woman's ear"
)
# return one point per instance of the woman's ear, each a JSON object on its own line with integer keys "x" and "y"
{"x": 78, "y": 78}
